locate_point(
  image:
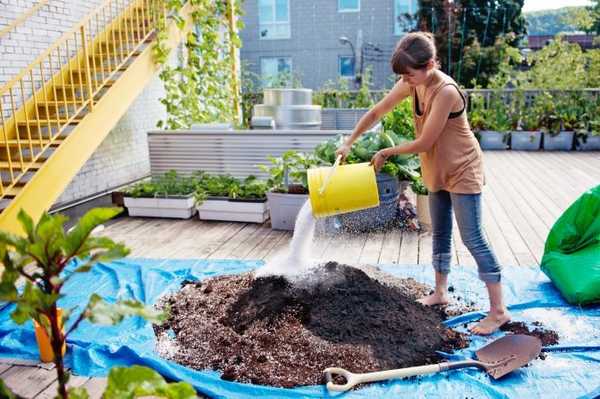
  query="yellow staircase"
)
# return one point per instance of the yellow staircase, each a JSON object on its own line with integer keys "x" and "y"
{"x": 58, "y": 110}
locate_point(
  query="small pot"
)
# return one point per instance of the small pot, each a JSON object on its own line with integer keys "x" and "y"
{"x": 587, "y": 143}
{"x": 43, "y": 341}
{"x": 423, "y": 210}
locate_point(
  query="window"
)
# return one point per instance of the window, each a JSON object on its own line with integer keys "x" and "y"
{"x": 273, "y": 69}
{"x": 348, "y": 5}
{"x": 346, "y": 66}
{"x": 274, "y": 19}
{"x": 404, "y": 16}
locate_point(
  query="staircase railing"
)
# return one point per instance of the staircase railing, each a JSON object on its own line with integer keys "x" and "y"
{"x": 57, "y": 89}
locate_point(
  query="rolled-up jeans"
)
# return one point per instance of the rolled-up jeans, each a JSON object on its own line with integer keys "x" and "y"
{"x": 467, "y": 208}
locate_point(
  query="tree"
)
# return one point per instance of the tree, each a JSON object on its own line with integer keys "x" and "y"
{"x": 586, "y": 19}
{"x": 471, "y": 26}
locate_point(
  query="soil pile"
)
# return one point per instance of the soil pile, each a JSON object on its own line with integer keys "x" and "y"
{"x": 270, "y": 332}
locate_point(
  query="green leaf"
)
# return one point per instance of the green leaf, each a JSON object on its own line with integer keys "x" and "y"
{"x": 78, "y": 393}
{"x": 102, "y": 312}
{"x": 27, "y": 223}
{"x": 137, "y": 381}
{"x": 76, "y": 238}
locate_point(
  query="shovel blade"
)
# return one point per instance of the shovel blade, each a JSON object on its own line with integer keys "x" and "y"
{"x": 509, "y": 353}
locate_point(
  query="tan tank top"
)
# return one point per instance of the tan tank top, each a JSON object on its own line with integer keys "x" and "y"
{"x": 454, "y": 162}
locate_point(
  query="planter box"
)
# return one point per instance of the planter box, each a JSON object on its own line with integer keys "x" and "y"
{"x": 233, "y": 210}
{"x": 328, "y": 119}
{"x": 176, "y": 207}
{"x": 491, "y": 140}
{"x": 592, "y": 143}
{"x": 563, "y": 141}
{"x": 347, "y": 118}
{"x": 284, "y": 209}
{"x": 423, "y": 210}
{"x": 525, "y": 141}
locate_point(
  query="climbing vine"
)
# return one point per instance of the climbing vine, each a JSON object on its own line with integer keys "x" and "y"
{"x": 201, "y": 88}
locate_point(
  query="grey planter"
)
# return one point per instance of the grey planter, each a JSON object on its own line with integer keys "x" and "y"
{"x": 589, "y": 143}
{"x": 492, "y": 140}
{"x": 563, "y": 141}
{"x": 233, "y": 210}
{"x": 284, "y": 209}
{"x": 176, "y": 207}
{"x": 347, "y": 118}
{"x": 328, "y": 119}
{"x": 525, "y": 141}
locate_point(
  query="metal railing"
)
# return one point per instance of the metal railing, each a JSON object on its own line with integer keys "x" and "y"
{"x": 61, "y": 85}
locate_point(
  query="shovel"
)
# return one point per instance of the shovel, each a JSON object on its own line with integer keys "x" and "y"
{"x": 497, "y": 358}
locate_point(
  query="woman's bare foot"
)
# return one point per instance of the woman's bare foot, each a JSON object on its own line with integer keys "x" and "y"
{"x": 434, "y": 299}
{"x": 491, "y": 323}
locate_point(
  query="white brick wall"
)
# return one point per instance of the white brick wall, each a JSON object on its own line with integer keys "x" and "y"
{"x": 123, "y": 156}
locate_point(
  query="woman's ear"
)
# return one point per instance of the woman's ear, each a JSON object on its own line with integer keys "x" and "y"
{"x": 431, "y": 64}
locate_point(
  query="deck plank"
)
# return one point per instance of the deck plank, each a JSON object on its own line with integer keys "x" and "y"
{"x": 28, "y": 381}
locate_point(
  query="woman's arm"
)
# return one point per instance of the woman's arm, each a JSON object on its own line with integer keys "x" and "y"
{"x": 441, "y": 107}
{"x": 400, "y": 91}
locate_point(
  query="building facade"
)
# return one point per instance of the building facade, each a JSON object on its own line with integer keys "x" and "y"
{"x": 323, "y": 40}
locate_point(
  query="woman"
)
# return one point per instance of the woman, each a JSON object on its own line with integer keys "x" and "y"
{"x": 451, "y": 163}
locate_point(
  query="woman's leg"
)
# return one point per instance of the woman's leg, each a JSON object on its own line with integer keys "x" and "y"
{"x": 440, "y": 207}
{"x": 468, "y": 215}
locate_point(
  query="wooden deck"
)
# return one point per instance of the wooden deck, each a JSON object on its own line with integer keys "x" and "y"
{"x": 524, "y": 195}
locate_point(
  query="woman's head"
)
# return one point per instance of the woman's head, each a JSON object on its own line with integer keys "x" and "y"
{"x": 414, "y": 57}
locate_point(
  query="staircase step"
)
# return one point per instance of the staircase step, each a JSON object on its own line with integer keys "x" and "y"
{"x": 46, "y": 122}
{"x": 58, "y": 103}
{"x": 15, "y": 143}
{"x": 12, "y": 192}
{"x": 34, "y": 165}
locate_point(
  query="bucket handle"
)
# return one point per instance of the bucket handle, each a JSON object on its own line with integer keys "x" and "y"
{"x": 331, "y": 172}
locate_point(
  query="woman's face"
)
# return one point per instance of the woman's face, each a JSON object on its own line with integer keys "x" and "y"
{"x": 416, "y": 77}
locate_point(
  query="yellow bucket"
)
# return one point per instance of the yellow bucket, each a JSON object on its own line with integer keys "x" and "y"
{"x": 342, "y": 188}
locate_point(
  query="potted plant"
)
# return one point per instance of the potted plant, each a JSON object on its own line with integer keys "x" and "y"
{"x": 491, "y": 124}
{"x": 526, "y": 121}
{"x": 557, "y": 117}
{"x": 288, "y": 187}
{"x": 588, "y": 128}
{"x": 167, "y": 196}
{"x": 399, "y": 167}
{"x": 422, "y": 194}
{"x": 228, "y": 199}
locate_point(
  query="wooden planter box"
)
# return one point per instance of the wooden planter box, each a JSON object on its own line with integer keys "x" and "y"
{"x": 492, "y": 140}
{"x": 284, "y": 209}
{"x": 249, "y": 211}
{"x": 562, "y": 141}
{"x": 525, "y": 141}
{"x": 591, "y": 143}
{"x": 176, "y": 207}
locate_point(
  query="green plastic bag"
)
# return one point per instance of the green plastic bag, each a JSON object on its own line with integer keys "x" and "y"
{"x": 572, "y": 252}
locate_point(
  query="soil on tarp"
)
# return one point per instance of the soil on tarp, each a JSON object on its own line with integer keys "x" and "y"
{"x": 548, "y": 337}
{"x": 268, "y": 331}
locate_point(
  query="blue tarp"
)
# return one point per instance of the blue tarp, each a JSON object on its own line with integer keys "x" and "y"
{"x": 571, "y": 370}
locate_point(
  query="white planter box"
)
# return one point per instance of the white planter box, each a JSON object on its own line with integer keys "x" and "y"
{"x": 525, "y": 141}
{"x": 166, "y": 207}
{"x": 492, "y": 140}
{"x": 233, "y": 211}
{"x": 284, "y": 209}
{"x": 562, "y": 141}
{"x": 423, "y": 210}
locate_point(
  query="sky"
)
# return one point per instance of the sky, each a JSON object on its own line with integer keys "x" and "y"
{"x": 534, "y": 5}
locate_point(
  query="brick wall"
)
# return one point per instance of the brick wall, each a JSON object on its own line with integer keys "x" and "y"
{"x": 123, "y": 156}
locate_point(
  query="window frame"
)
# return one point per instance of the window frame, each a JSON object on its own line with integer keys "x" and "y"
{"x": 341, "y": 9}
{"x": 277, "y": 57}
{"x": 340, "y": 67}
{"x": 275, "y": 22}
{"x": 397, "y": 31}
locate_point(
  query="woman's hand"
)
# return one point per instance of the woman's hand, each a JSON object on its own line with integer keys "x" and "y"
{"x": 379, "y": 159}
{"x": 344, "y": 150}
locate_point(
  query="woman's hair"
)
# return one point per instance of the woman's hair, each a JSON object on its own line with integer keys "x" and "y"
{"x": 414, "y": 50}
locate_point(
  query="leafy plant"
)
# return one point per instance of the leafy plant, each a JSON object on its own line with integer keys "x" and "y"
{"x": 169, "y": 184}
{"x": 42, "y": 258}
{"x": 403, "y": 166}
{"x": 418, "y": 187}
{"x": 137, "y": 381}
{"x": 290, "y": 168}
{"x": 200, "y": 89}
{"x": 400, "y": 120}
{"x": 227, "y": 186}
